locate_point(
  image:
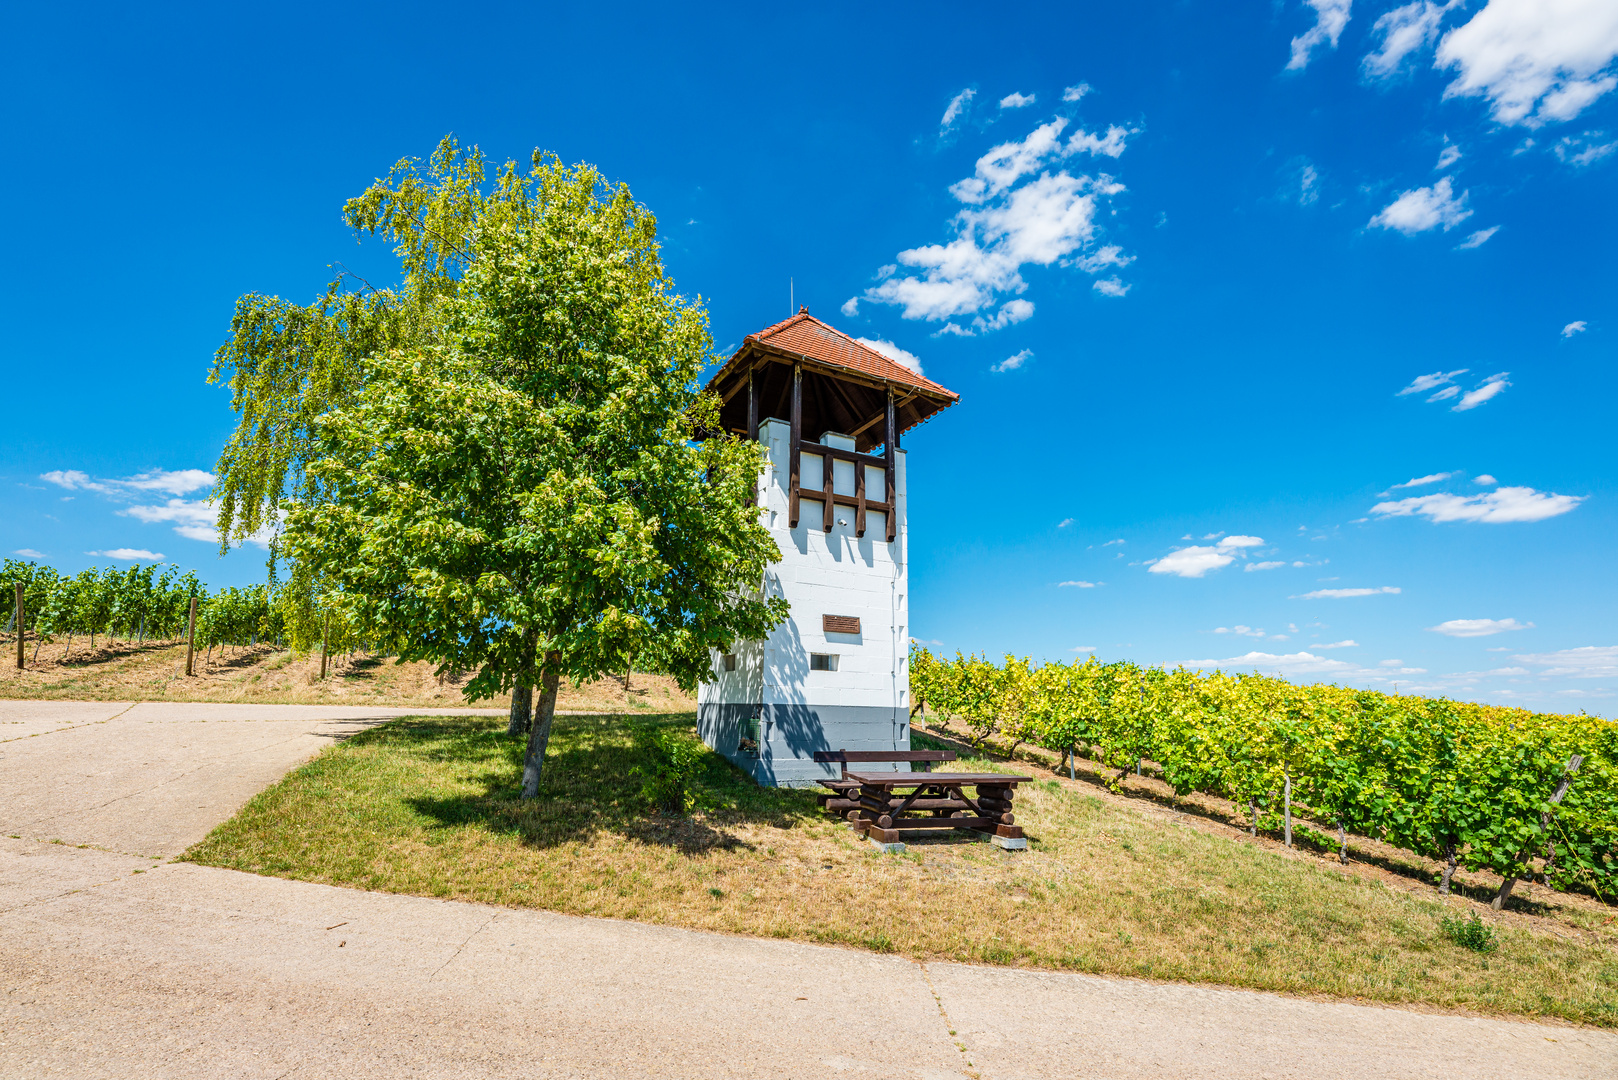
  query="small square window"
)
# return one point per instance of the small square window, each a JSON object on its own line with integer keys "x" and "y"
{"x": 730, "y": 661}
{"x": 822, "y": 661}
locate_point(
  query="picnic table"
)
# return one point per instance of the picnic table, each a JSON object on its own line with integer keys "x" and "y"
{"x": 891, "y": 801}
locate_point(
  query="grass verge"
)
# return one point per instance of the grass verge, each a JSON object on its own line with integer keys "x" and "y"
{"x": 428, "y": 806}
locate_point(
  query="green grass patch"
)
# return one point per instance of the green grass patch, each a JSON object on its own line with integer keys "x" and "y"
{"x": 429, "y": 806}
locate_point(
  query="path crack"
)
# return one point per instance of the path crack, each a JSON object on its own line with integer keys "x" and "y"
{"x": 484, "y": 925}
{"x": 949, "y": 1025}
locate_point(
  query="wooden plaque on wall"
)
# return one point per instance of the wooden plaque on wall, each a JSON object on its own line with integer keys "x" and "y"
{"x": 840, "y": 624}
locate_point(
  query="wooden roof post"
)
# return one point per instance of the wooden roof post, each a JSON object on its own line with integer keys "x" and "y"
{"x": 752, "y": 409}
{"x": 888, "y": 484}
{"x": 797, "y": 439}
{"x": 859, "y": 497}
{"x": 752, "y": 429}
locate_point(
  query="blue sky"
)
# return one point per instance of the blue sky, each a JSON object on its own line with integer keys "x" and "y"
{"x": 1284, "y": 332}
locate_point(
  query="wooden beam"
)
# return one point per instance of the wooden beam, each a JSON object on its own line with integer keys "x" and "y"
{"x": 890, "y": 445}
{"x": 752, "y": 409}
{"x": 859, "y": 497}
{"x": 829, "y": 504}
{"x": 796, "y": 460}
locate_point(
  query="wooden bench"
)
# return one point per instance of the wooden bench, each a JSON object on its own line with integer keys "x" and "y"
{"x": 843, "y": 796}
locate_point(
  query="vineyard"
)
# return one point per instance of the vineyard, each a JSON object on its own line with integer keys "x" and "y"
{"x": 1520, "y": 794}
{"x": 141, "y": 605}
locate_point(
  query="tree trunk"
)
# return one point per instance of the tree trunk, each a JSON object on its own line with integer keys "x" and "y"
{"x": 522, "y": 709}
{"x": 1509, "y": 881}
{"x": 540, "y": 734}
{"x": 1450, "y": 856}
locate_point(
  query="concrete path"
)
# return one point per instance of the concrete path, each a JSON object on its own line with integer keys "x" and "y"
{"x": 115, "y": 964}
{"x": 153, "y": 778}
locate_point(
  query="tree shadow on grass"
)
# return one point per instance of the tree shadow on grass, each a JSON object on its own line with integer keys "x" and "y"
{"x": 589, "y": 787}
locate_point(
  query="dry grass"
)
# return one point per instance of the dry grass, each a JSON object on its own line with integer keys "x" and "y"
{"x": 427, "y": 806}
{"x": 127, "y": 671}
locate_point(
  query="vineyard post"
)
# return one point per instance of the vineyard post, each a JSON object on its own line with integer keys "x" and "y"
{"x": 190, "y": 637}
{"x": 1072, "y": 765}
{"x": 1509, "y": 881}
{"x": 325, "y": 644}
{"x": 19, "y": 626}
{"x": 1286, "y": 777}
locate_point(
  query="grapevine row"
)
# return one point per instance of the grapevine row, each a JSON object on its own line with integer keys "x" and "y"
{"x": 1474, "y": 786}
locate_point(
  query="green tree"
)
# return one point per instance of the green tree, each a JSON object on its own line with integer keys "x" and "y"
{"x": 514, "y": 484}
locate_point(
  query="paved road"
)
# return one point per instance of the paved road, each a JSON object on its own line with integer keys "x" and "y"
{"x": 154, "y": 778}
{"x": 115, "y": 964}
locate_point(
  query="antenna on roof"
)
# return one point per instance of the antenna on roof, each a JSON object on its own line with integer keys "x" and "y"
{"x": 792, "y": 297}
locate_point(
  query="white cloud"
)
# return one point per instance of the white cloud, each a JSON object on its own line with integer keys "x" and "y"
{"x": 1448, "y": 156}
{"x": 1263, "y": 566}
{"x": 1074, "y": 93}
{"x": 1403, "y": 31}
{"x": 176, "y": 482}
{"x": 1463, "y": 628}
{"x": 1009, "y": 162}
{"x": 1421, "y": 209}
{"x": 1390, "y": 663}
{"x": 1572, "y": 328}
{"x": 1485, "y": 479}
{"x": 1064, "y": 523}
{"x": 1197, "y": 560}
{"x": 1083, "y": 648}
{"x": 1445, "y": 394}
{"x": 1109, "y": 543}
{"x": 1245, "y": 631}
{"x": 73, "y": 480}
{"x": 1427, "y": 382}
{"x": 1430, "y": 478}
{"x": 1493, "y": 385}
{"x": 851, "y": 306}
{"x": 893, "y": 352}
{"x": 1507, "y": 504}
{"x": 1016, "y": 212}
{"x": 1076, "y": 584}
{"x": 1477, "y": 239}
{"x": 30, "y": 553}
{"x": 1016, "y": 101}
{"x": 1344, "y": 594}
{"x": 957, "y": 105}
{"x": 1112, "y": 286}
{"x": 182, "y": 482}
{"x": 1308, "y": 185}
{"x": 1346, "y": 643}
{"x": 1191, "y": 562}
{"x": 192, "y": 519}
{"x": 1013, "y": 362}
{"x": 1298, "y": 663}
{"x": 1587, "y": 662}
{"x": 1012, "y": 311}
{"x": 1536, "y": 61}
{"x": 128, "y": 554}
{"x": 1330, "y": 18}
{"x": 1581, "y": 150}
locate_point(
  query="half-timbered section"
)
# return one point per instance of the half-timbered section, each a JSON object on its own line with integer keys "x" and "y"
{"x": 830, "y": 412}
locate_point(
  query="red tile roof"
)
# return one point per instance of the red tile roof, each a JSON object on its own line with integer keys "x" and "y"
{"x": 805, "y": 335}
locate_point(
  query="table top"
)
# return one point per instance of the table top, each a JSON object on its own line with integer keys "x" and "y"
{"x": 970, "y": 779}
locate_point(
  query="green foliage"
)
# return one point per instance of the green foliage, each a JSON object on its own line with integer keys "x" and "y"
{"x": 1430, "y": 775}
{"x": 493, "y": 466}
{"x": 1469, "y": 933}
{"x": 669, "y": 760}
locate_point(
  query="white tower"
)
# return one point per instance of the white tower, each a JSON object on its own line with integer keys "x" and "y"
{"x": 835, "y": 675}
